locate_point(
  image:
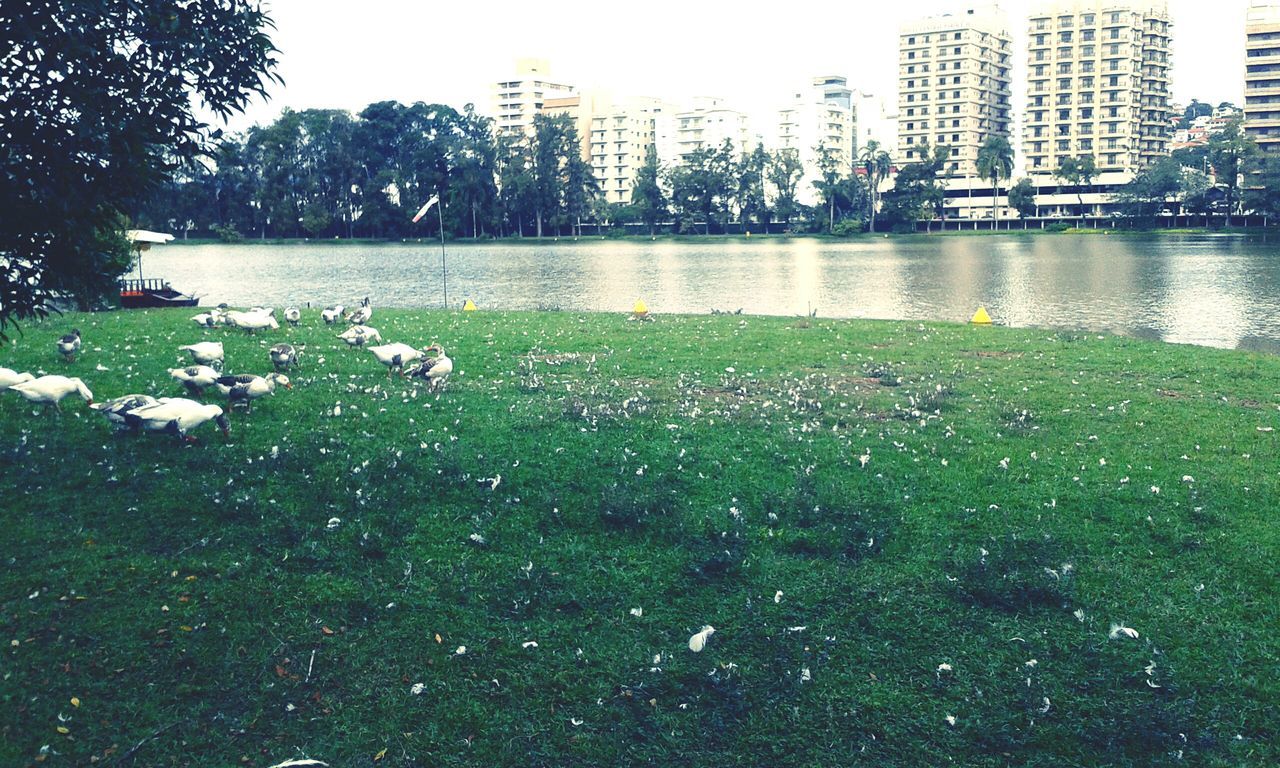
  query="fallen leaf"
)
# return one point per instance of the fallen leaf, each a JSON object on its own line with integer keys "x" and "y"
{"x": 326, "y": 630}
{"x": 64, "y": 729}
{"x": 75, "y": 701}
{"x": 381, "y": 754}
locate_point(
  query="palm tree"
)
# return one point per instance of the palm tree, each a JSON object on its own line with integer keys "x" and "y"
{"x": 877, "y": 163}
{"x": 995, "y": 161}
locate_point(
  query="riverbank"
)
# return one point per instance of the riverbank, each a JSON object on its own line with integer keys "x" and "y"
{"x": 913, "y": 540}
{"x": 734, "y": 238}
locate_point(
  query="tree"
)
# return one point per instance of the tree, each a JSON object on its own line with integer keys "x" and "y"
{"x": 647, "y": 197}
{"x": 1151, "y": 190}
{"x": 1229, "y": 151}
{"x": 1022, "y": 197}
{"x": 784, "y": 172}
{"x": 877, "y": 165}
{"x": 828, "y": 184}
{"x": 98, "y": 108}
{"x": 1078, "y": 172}
{"x": 1263, "y": 193}
{"x": 750, "y": 173}
{"x": 701, "y": 186}
{"x": 995, "y": 162}
{"x": 916, "y": 192}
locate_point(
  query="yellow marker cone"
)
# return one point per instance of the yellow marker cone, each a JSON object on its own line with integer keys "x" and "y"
{"x": 640, "y": 310}
{"x": 470, "y": 306}
{"x": 981, "y": 317}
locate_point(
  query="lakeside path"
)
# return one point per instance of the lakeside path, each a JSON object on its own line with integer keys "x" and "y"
{"x": 917, "y": 543}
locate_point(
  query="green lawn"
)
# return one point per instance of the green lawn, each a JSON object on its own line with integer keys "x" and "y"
{"x": 852, "y": 505}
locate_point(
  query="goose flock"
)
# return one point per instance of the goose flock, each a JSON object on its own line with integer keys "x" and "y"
{"x": 180, "y": 415}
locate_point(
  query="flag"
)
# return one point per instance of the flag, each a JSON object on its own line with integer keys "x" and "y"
{"x": 423, "y": 212}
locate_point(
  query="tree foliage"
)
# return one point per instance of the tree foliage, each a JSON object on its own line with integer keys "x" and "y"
{"x": 98, "y": 108}
{"x": 1078, "y": 172}
{"x": 1022, "y": 198}
{"x": 916, "y": 192}
{"x": 995, "y": 162}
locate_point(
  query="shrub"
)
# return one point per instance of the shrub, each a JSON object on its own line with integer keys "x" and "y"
{"x": 847, "y": 227}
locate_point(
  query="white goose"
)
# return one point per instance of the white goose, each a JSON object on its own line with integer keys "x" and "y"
{"x": 178, "y": 416}
{"x": 359, "y": 335}
{"x": 247, "y": 387}
{"x": 117, "y": 408}
{"x": 9, "y": 377}
{"x": 205, "y": 353}
{"x": 51, "y": 389}
{"x": 209, "y": 319}
{"x": 195, "y": 377}
{"x": 252, "y": 321}
{"x": 330, "y": 315}
{"x": 292, "y": 316}
{"x": 433, "y": 370}
{"x": 395, "y": 355}
{"x": 69, "y": 345}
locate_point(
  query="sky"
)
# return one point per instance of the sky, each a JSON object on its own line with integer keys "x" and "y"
{"x": 346, "y": 55}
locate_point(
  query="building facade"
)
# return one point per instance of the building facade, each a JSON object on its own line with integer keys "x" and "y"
{"x": 819, "y": 118}
{"x": 953, "y": 86}
{"x": 706, "y": 126}
{"x": 1098, "y": 84}
{"x": 1262, "y": 76}
{"x": 620, "y": 139}
{"x": 517, "y": 99}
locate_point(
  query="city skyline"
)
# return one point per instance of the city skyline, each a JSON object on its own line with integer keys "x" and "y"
{"x": 388, "y": 53}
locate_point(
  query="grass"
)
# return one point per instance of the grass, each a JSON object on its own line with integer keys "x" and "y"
{"x": 850, "y": 504}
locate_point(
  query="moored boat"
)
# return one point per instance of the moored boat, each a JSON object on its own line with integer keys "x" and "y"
{"x": 150, "y": 292}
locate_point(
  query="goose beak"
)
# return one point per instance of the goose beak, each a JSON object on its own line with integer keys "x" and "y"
{"x": 225, "y": 425}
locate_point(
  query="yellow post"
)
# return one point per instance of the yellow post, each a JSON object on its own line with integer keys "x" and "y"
{"x": 640, "y": 310}
{"x": 470, "y": 306}
{"x": 981, "y": 317}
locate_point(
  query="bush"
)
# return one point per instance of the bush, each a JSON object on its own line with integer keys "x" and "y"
{"x": 227, "y": 233}
{"x": 846, "y": 227}
{"x": 1060, "y": 226}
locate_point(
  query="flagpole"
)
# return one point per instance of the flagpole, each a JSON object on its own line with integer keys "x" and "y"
{"x": 444, "y": 268}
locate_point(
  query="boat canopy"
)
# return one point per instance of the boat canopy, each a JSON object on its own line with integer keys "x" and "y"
{"x": 137, "y": 236}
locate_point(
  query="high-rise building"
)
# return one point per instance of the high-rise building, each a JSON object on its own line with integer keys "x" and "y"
{"x": 953, "y": 85}
{"x": 517, "y": 99}
{"x": 581, "y": 109}
{"x": 619, "y": 141}
{"x": 706, "y": 126}
{"x": 1098, "y": 84}
{"x": 818, "y": 119}
{"x": 1262, "y": 75}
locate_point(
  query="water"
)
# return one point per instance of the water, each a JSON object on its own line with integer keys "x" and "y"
{"x": 1219, "y": 291}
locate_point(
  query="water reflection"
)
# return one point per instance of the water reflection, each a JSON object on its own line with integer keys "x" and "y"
{"x": 1217, "y": 291}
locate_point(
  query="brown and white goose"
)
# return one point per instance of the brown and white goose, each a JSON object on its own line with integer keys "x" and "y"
{"x": 117, "y": 408}
{"x": 246, "y": 387}
{"x": 285, "y": 356}
{"x": 433, "y": 370}
{"x": 69, "y": 345}
{"x": 360, "y": 335}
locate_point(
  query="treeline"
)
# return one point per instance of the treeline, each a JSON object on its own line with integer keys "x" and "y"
{"x": 326, "y": 173}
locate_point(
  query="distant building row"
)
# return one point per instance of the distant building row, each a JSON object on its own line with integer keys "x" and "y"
{"x": 616, "y": 133}
{"x": 1097, "y": 85}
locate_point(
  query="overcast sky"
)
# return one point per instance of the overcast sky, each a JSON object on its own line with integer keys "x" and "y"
{"x": 346, "y": 55}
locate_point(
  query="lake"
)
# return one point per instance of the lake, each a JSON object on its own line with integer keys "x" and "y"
{"x": 1221, "y": 291}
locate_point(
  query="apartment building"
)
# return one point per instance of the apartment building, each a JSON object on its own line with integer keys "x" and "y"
{"x": 619, "y": 140}
{"x": 706, "y": 126}
{"x": 953, "y": 85}
{"x": 1098, "y": 84}
{"x": 1262, "y": 75}
{"x": 821, "y": 116}
{"x": 518, "y": 98}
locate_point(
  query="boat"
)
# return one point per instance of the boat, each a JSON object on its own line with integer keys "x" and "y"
{"x": 142, "y": 292}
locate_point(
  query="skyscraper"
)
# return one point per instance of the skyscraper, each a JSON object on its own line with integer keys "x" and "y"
{"x": 1098, "y": 84}
{"x": 953, "y": 85}
{"x": 1262, "y": 75}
